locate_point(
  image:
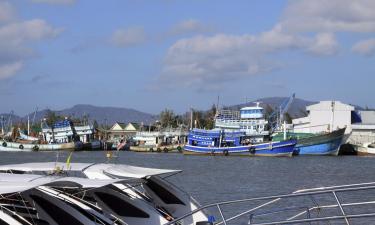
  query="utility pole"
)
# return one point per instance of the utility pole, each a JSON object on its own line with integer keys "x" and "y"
{"x": 333, "y": 115}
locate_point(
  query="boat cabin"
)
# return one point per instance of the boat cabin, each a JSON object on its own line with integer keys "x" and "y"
{"x": 215, "y": 138}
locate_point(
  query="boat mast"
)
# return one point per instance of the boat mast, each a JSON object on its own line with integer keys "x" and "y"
{"x": 28, "y": 124}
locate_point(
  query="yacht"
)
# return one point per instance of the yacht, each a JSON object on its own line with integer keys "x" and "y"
{"x": 145, "y": 198}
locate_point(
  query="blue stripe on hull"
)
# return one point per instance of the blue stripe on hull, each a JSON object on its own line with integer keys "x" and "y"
{"x": 329, "y": 148}
{"x": 268, "y": 149}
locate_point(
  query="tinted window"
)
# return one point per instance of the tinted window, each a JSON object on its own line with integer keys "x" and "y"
{"x": 121, "y": 207}
{"x": 58, "y": 215}
{"x": 163, "y": 193}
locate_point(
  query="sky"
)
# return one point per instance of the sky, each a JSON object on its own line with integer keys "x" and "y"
{"x": 152, "y": 55}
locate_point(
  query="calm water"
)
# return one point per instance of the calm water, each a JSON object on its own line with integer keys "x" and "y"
{"x": 211, "y": 179}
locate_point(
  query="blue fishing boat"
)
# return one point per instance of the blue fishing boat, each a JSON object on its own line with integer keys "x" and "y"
{"x": 219, "y": 142}
{"x": 315, "y": 144}
{"x": 323, "y": 144}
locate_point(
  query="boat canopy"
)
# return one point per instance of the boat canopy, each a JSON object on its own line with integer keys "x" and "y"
{"x": 11, "y": 183}
{"x": 112, "y": 170}
{"x": 45, "y": 166}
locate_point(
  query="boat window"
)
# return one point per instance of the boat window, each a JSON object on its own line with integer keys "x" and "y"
{"x": 163, "y": 193}
{"x": 2, "y": 222}
{"x": 57, "y": 214}
{"x": 121, "y": 207}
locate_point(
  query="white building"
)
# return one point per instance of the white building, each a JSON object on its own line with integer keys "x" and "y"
{"x": 325, "y": 116}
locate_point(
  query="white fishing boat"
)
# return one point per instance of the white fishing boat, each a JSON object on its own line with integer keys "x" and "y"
{"x": 20, "y": 146}
{"x": 365, "y": 148}
{"x": 250, "y": 120}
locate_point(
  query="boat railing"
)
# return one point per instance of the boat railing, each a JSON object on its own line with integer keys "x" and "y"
{"x": 345, "y": 204}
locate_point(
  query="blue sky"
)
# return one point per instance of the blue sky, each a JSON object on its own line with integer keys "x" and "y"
{"x": 151, "y": 55}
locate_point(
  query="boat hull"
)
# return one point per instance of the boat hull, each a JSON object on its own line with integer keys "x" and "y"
{"x": 24, "y": 147}
{"x": 326, "y": 144}
{"x": 364, "y": 149}
{"x": 162, "y": 149}
{"x": 281, "y": 148}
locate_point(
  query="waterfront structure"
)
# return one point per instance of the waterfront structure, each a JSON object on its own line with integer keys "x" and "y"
{"x": 325, "y": 116}
{"x": 249, "y": 120}
{"x": 122, "y": 131}
{"x": 219, "y": 142}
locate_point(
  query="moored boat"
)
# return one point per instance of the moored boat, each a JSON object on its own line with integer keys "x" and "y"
{"x": 320, "y": 144}
{"x": 364, "y": 149}
{"x": 18, "y": 146}
{"x": 218, "y": 142}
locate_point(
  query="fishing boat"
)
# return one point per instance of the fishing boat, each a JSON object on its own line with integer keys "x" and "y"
{"x": 250, "y": 120}
{"x": 316, "y": 144}
{"x": 158, "y": 141}
{"x": 20, "y": 146}
{"x": 364, "y": 149}
{"x": 219, "y": 142}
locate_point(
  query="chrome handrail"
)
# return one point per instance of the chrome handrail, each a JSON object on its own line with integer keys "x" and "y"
{"x": 292, "y": 220}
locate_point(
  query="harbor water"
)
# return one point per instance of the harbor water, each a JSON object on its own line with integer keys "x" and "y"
{"x": 216, "y": 178}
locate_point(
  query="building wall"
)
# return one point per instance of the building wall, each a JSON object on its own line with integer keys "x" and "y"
{"x": 323, "y": 115}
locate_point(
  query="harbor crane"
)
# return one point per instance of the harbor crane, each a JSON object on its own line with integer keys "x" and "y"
{"x": 277, "y": 116}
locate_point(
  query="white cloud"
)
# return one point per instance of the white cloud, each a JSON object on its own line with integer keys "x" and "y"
{"x": 6, "y": 12}
{"x": 55, "y": 2}
{"x": 365, "y": 47}
{"x": 208, "y": 62}
{"x": 305, "y": 26}
{"x": 15, "y": 36}
{"x": 329, "y": 16}
{"x": 31, "y": 30}
{"x": 128, "y": 37}
{"x": 10, "y": 69}
{"x": 190, "y": 26}
{"x": 324, "y": 44}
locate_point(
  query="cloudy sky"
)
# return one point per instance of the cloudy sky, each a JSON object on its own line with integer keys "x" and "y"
{"x": 151, "y": 55}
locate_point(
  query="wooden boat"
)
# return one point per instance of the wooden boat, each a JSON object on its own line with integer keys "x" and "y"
{"x": 315, "y": 144}
{"x": 218, "y": 142}
{"x": 18, "y": 146}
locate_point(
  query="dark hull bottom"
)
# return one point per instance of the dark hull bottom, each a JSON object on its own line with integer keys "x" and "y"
{"x": 237, "y": 154}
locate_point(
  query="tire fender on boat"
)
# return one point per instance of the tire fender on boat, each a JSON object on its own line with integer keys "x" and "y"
{"x": 20, "y": 147}
{"x": 36, "y": 148}
{"x": 225, "y": 152}
{"x": 179, "y": 148}
{"x": 213, "y": 152}
{"x": 252, "y": 150}
{"x": 151, "y": 149}
{"x": 165, "y": 149}
{"x": 158, "y": 149}
{"x": 4, "y": 144}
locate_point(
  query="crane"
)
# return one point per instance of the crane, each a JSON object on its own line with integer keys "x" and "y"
{"x": 277, "y": 116}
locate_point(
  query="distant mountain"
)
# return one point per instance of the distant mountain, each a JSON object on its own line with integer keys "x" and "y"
{"x": 103, "y": 115}
{"x": 297, "y": 108}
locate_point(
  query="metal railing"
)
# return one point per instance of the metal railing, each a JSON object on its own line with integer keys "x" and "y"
{"x": 305, "y": 211}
